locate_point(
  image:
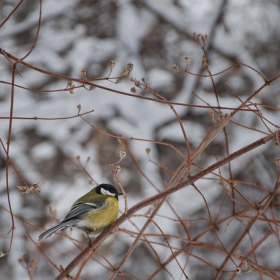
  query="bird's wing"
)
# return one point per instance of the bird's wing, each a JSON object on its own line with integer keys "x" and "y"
{"x": 81, "y": 207}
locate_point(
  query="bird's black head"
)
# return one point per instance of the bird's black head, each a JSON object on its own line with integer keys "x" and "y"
{"x": 107, "y": 189}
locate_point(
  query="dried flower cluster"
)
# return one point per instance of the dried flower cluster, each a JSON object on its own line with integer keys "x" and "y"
{"x": 35, "y": 188}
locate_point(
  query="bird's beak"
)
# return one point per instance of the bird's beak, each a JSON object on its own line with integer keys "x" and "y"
{"x": 120, "y": 193}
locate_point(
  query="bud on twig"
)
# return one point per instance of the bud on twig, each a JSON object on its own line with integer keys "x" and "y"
{"x": 187, "y": 59}
{"x": 133, "y": 90}
{"x": 125, "y": 74}
{"x": 112, "y": 64}
{"x": 175, "y": 68}
{"x": 122, "y": 154}
{"x": 129, "y": 66}
{"x": 117, "y": 169}
{"x": 72, "y": 88}
{"x": 84, "y": 73}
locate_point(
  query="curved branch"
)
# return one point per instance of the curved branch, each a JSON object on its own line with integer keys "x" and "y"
{"x": 99, "y": 240}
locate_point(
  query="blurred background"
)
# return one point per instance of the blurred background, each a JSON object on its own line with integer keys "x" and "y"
{"x": 154, "y": 36}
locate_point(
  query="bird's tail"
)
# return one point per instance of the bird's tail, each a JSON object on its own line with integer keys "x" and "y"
{"x": 61, "y": 226}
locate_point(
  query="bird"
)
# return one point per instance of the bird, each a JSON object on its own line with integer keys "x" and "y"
{"x": 91, "y": 213}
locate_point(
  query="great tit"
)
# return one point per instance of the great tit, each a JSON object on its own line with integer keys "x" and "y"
{"x": 92, "y": 213}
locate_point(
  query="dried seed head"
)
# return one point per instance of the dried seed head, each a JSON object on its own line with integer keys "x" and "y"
{"x": 212, "y": 114}
{"x": 84, "y": 73}
{"x": 79, "y": 106}
{"x": 69, "y": 83}
{"x": 187, "y": 59}
{"x": 125, "y": 74}
{"x": 129, "y": 66}
{"x": 144, "y": 81}
{"x": 204, "y": 63}
{"x": 30, "y": 189}
{"x": 36, "y": 187}
{"x": 204, "y": 37}
{"x": 24, "y": 257}
{"x": 72, "y": 88}
{"x": 277, "y": 160}
{"x": 237, "y": 254}
{"x": 122, "y": 154}
{"x": 197, "y": 37}
{"x": 138, "y": 84}
{"x": 176, "y": 68}
{"x": 92, "y": 87}
{"x": 201, "y": 39}
{"x": 33, "y": 264}
{"x": 117, "y": 169}
{"x": 30, "y": 273}
{"x": 148, "y": 150}
{"x": 133, "y": 80}
{"x": 112, "y": 64}
{"x": 118, "y": 80}
{"x": 133, "y": 90}
{"x": 22, "y": 188}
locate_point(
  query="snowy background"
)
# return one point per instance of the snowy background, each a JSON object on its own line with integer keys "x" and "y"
{"x": 153, "y": 35}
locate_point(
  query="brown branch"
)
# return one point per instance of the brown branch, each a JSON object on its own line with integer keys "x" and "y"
{"x": 132, "y": 247}
{"x": 248, "y": 227}
{"x": 11, "y": 13}
{"x": 99, "y": 240}
{"x": 87, "y": 82}
{"x": 37, "y": 33}
{"x": 7, "y": 157}
{"x": 47, "y": 119}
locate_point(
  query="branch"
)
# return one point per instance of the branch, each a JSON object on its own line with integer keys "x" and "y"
{"x": 104, "y": 235}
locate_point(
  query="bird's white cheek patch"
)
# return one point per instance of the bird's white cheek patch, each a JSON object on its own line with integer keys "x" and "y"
{"x": 106, "y": 192}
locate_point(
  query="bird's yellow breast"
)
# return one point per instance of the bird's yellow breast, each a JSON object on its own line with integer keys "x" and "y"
{"x": 96, "y": 221}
